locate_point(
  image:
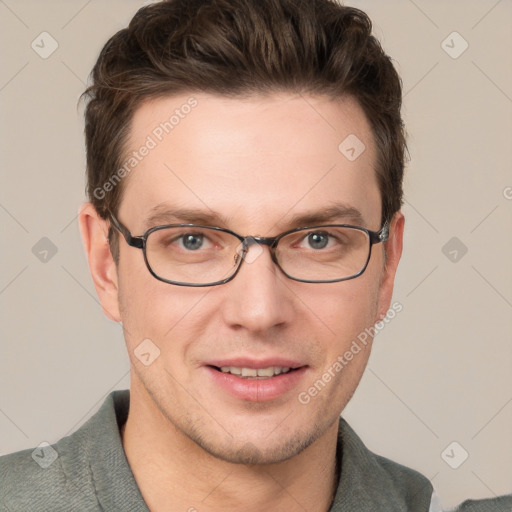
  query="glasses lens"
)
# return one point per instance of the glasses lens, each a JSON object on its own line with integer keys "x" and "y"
{"x": 192, "y": 255}
{"x": 324, "y": 253}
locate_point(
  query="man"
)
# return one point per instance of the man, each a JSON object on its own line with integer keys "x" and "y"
{"x": 245, "y": 162}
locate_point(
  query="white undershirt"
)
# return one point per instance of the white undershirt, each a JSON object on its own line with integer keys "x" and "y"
{"x": 435, "y": 503}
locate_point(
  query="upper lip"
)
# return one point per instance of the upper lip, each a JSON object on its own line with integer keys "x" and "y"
{"x": 246, "y": 362}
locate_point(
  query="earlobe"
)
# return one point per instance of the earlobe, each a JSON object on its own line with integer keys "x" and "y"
{"x": 94, "y": 231}
{"x": 393, "y": 247}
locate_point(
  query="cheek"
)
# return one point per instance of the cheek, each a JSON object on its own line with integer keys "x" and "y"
{"x": 147, "y": 305}
{"x": 350, "y": 313}
{"x": 150, "y": 309}
{"x": 348, "y": 307}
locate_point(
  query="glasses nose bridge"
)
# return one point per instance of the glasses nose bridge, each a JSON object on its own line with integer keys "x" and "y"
{"x": 269, "y": 241}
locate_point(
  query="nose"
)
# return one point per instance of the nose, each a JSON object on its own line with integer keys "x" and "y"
{"x": 258, "y": 298}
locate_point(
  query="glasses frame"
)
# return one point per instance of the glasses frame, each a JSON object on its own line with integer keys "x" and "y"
{"x": 139, "y": 242}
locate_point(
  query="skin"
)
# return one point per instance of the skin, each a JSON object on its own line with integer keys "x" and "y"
{"x": 258, "y": 161}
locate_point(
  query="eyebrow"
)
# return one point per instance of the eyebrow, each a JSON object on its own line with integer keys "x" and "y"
{"x": 164, "y": 213}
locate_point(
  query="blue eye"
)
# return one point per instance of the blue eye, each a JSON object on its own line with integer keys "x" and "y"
{"x": 191, "y": 241}
{"x": 318, "y": 240}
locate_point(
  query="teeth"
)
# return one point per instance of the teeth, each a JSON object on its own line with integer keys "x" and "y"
{"x": 252, "y": 372}
{"x": 265, "y": 372}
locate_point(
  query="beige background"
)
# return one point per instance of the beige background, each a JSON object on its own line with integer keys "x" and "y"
{"x": 440, "y": 372}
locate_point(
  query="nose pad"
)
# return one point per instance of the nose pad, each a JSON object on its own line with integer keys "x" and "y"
{"x": 250, "y": 251}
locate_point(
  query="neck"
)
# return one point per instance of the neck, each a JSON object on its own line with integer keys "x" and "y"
{"x": 174, "y": 473}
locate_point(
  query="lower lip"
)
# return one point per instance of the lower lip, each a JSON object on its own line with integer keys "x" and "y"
{"x": 257, "y": 390}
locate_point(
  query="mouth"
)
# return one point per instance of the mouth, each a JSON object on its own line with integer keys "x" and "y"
{"x": 257, "y": 381}
{"x": 255, "y": 373}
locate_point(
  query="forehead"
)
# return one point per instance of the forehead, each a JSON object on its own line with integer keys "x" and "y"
{"x": 258, "y": 161}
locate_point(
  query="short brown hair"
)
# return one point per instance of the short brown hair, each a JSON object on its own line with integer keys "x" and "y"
{"x": 238, "y": 48}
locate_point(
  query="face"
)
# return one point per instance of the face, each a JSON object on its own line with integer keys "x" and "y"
{"x": 254, "y": 166}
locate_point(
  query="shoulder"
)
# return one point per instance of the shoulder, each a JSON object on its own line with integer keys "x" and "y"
{"x": 73, "y": 473}
{"x": 44, "y": 478}
{"x": 376, "y": 481}
{"x": 400, "y": 476}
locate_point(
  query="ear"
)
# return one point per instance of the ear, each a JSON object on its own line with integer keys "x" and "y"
{"x": 94, "y": 231}
{"x": 393, "y": 247}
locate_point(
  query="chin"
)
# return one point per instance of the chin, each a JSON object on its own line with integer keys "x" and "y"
{"x": 258, "y": 451}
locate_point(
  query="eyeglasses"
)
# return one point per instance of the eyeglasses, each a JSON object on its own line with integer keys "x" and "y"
{"x": 196, "y": 255}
